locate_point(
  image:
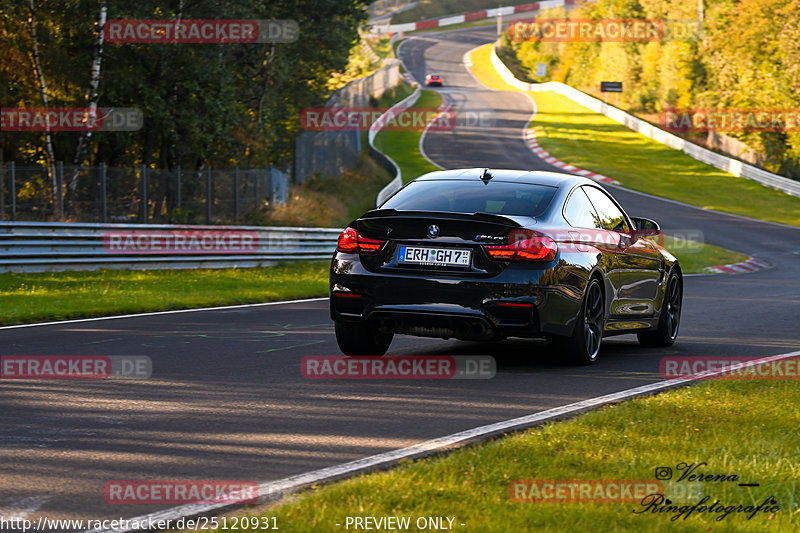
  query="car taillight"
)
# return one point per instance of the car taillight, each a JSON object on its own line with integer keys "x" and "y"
{"x": 368, "y": 246}
{"x": 524, "y": 246}
{"x": 348, "y": 241}
{"x": 351, "y": 241}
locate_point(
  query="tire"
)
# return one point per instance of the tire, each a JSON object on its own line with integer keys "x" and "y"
{"x": 355, "y": 338}
{"x": 670, "y": 320}
{"x": 583, "y": 347}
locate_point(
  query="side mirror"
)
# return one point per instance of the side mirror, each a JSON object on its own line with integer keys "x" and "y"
{"x": 645, "y": 226}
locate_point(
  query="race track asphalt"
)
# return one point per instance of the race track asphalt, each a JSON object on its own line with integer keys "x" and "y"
{"x": 227, "y": 399}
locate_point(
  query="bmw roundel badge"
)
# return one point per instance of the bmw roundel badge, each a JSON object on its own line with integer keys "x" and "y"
{"x": 433, "y": 230}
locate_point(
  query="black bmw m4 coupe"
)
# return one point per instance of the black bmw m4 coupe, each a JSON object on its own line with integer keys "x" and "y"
{"x": 480, "y": 254}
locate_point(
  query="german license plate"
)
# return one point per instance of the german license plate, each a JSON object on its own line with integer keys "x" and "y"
{"x": 434, "y": 256}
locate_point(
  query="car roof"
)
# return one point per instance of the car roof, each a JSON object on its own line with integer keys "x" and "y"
{"x": 533, "y": 177}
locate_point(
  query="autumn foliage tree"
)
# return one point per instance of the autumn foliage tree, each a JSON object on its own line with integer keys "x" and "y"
{"x": 203, "y": 104}
{"x": 747, "y": 56}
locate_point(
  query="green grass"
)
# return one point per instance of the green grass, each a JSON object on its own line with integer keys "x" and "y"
{"x": 403, "y": 146}
{"x": 591, "y": 141}
{"x": 331, "y": 202}
{"x": 395, "y": 94}
{"x": 38, "y": 297}
{"x": 334, "y": 201}
{"x": 695, "y": 257}
{"x": 381, "y": 48}
{"x": 594, "y": 142}
{"x": 394, "y": 50}
{"x": 744, "y": 428}
{"x": 328, "y": 202}
{"x": 26, "y": 298}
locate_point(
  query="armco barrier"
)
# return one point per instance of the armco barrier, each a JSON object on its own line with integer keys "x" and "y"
{"x": 56, "y": 246}
{"x": 397, "y": 182}
{"x": 732, "y": 166}
{"x": 381, "y": 27}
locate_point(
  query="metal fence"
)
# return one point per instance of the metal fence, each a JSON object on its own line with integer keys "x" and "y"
{"x": 325, "y": 153}
{"x": 56, "y": 246}
{"x": 357, "y": 93}
{"x": 331, "y": 153}
{"x": 140, "y": 195}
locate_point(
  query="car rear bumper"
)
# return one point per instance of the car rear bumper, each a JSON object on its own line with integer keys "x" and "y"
{"x": 519, "y": 302}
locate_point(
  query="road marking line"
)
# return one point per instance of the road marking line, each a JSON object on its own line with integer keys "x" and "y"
{"x": 648, "y": 195}
{"x": 529, "y": 134}
{"x": 154, "y": 313}
{"x": 19, "y": 509}
{"x": 381, "y": 461}
{"x": 750, "y": 265}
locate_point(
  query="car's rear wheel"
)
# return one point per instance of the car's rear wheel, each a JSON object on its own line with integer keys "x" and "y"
{"x": 670, "y": 320}
{"x": 583, "y": 347}
{"x": 361, "y": 339}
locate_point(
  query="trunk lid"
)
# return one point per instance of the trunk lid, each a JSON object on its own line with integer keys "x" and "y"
{"x": 426, "y": 242}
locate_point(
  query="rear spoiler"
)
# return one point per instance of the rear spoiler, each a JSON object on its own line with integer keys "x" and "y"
{"x": 506, "y": 220}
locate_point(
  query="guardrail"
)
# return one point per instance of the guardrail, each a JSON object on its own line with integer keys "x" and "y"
{"x": 397, "y": 183}
{"x": 730, "y": 165}
{"x": 56, "y": 246}
{"x": 449, "y": 20}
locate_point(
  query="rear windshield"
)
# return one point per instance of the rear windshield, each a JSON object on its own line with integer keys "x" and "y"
{"x": 461, "y": 196}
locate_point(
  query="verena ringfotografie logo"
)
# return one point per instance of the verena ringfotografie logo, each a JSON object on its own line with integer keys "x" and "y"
{"x": 730, "y": 120}
{"x": 362, "y": 118}
{"x": 201, "y": 31}
{"x": 582, "y": 490}
{"x": 561, "y": 30}
{"x": 75, "y": 367}
{"x": 399, "y": 367}
{"x": 71, "y": 119}
{"x": 180, "y": 242}
{"x": 729, "y": 368}
{"x": 180, "y": 491}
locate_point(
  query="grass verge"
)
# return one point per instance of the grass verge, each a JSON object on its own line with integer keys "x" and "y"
{"x": 26, "y": 298}
{"x": 592, "y": 141}
{"x": 327, "y": 202}
{"x": 333, "y": 202}
{"x": 695, "y": 257}
{"x": 746, "y": 429}
{"x": 403, "y": 146}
